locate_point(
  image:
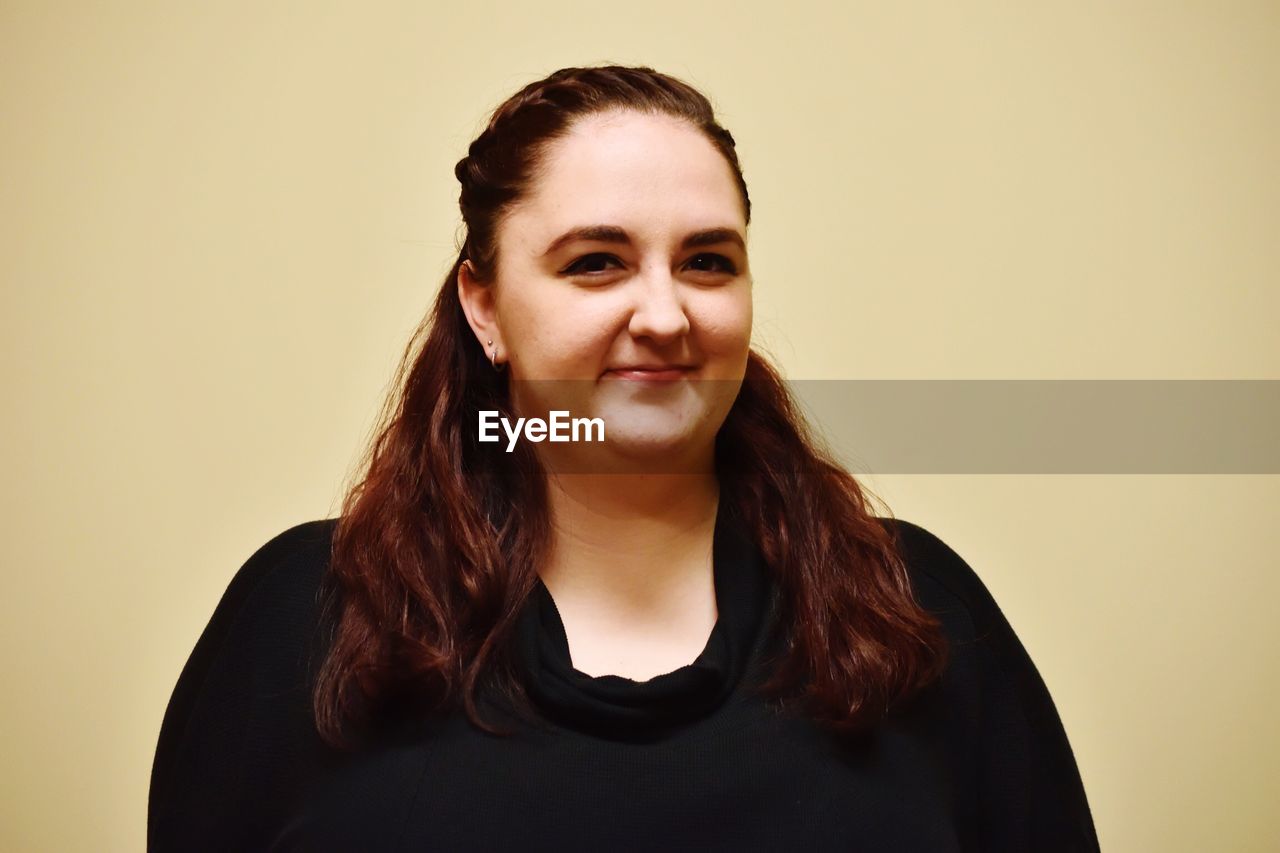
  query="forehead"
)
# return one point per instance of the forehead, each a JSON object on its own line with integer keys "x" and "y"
{"x": 646, "y": 173}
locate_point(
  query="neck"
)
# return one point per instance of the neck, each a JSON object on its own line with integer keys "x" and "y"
{"x": 630, "y": 542}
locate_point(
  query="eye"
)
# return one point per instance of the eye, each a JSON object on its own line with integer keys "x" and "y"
{"x": 588, "y": 264}
{"x": 596, "y": 263}
{"x": 726, "y": 265}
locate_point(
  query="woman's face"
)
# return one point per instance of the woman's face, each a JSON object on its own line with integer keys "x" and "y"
{"x": 623, "y": 289}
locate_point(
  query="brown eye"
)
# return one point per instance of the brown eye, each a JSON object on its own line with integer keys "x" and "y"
{"x": 726, "y": 265}
{"x": 588, "y": 264}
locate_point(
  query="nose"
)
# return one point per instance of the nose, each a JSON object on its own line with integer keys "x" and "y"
{"x": 658, "y": 312}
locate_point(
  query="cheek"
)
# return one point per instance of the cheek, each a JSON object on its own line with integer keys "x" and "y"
{"x": 557, "y": 332}
{"x": 725, "y": 320}
{"x": 584, "y": 330}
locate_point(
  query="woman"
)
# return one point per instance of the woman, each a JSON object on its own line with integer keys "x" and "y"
{"x": 683, "y": 630}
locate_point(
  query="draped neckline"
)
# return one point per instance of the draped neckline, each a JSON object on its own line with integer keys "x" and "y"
{"x": 619, "y": 707}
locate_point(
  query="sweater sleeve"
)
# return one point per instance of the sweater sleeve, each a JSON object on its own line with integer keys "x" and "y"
{"x": 1030, "y": 793}
{"x": 236, "y": 733}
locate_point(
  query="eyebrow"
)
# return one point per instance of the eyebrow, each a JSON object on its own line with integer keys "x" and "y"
{"x": 614, "y": 234}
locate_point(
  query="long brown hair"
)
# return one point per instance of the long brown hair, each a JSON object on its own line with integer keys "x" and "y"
{"x": 437, "y": 546}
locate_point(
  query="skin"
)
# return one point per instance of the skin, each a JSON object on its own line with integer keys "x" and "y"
{"x": 630, "y": 567}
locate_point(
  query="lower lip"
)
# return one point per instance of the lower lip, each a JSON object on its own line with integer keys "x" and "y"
{"x": 650, "y": 375}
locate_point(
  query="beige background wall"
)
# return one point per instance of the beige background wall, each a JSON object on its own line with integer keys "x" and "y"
{"x": 220, "y": 222}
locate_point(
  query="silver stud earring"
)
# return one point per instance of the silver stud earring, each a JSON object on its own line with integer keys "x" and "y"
{"x": 493, "y": 358}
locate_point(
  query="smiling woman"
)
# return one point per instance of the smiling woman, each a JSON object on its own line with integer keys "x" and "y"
{"x": 692, "y": 634}
{"x": 670, "y": 299}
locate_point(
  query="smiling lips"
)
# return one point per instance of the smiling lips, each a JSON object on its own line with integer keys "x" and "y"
{"x": 651, "y": 372}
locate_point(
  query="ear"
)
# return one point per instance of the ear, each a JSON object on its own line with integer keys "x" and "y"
{"x": 479, "y": 304}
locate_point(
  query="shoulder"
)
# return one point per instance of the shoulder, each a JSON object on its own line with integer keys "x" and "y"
{"x": 305, "y": 544}
{"x": 238, "y": 720}
{"x": 287, "y": 567}
{"x": 302, "y": 546}
{"x": 259, "y": 636}
{"x": 271, "y": 607}
{"x": 1032, "y": 796}
{"x": 942, "y": 579}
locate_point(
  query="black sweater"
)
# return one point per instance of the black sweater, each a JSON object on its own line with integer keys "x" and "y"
{"x": 688, "y": 760}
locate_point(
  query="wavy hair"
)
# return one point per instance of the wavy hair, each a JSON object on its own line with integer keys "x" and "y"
{"x": 438, "y": 543}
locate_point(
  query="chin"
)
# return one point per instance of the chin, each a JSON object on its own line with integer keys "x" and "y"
{"x": 654, "y": 442}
